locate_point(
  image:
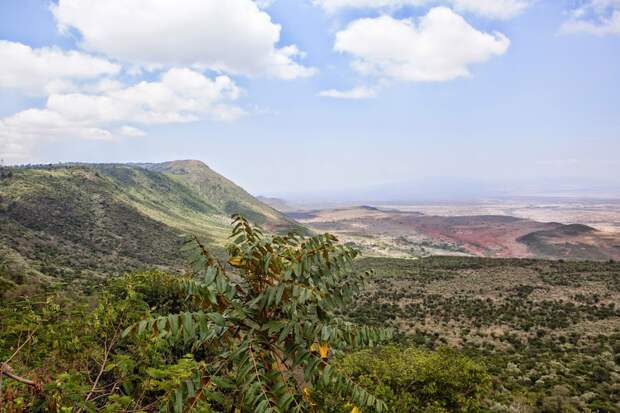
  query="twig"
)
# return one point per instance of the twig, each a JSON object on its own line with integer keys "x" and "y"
{"x": 106, "y": 354}
{"x": 114, "y": 387}
{"x": 6, "y": 370}
{"x": 21, "y": 346}
{"x": 262, "y": 386}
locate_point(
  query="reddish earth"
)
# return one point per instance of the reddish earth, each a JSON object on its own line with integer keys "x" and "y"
{"x": 483, "y": 235}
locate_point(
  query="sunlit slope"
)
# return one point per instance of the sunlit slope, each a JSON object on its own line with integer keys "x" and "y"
{"x": 225, "y": 195}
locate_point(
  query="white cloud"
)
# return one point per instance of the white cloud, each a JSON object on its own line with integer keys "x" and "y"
{"x": 181, "y": 95}
{"x": 440, "y": 47}
{"x": 40, "y": 71}
{"x": 596, "y": 17}
{"x": 496, "y": 9}
{"x": 359, "y": 92}
{"x": 33, "y": 123}
{"x": 233, "y": 36}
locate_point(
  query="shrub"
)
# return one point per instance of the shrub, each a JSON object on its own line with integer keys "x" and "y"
{"x": 262, "y": 335}
{"x": 414, "y": 380}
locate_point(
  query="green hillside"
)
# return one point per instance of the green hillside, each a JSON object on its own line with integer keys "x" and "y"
{"x": 222, "y": 193}
{"x": 80, "y": 221}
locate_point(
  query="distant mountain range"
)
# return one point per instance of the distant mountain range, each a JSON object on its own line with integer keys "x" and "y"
{"x": 457, "y": 189}
{"x": 277, "y": 203}
{"x": 82, "y": 220}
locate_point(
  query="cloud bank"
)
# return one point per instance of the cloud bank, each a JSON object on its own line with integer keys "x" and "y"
{"x": 45, "y": 70}
{"x": 95, "y": 92}
{"x": 180, "y": 95}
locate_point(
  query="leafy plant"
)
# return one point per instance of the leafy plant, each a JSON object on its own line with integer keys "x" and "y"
{"x": 264, "y": 332}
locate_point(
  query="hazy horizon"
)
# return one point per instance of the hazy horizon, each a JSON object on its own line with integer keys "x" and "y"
{"x": 455, "y": 189}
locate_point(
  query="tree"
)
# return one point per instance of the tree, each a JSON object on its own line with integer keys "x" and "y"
{"x": 265, "y": 331}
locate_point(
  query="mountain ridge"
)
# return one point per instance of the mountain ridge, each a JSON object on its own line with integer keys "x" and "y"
{"x": 78, "y": 221}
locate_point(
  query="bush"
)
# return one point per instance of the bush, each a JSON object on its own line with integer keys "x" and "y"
{"x": 413, "y": 380}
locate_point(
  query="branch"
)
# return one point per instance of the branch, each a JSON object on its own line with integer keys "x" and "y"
{"x": 21, "y": 345}
{"x": 6, "y": 370}
{"x": 108, "y": 349}
{"x": 262, "y": 386}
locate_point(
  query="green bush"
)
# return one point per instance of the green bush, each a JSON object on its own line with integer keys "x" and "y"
{"x": 413, "y": 380}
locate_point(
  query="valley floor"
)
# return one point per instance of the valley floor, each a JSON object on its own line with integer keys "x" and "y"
{"x": 486, "y": 230}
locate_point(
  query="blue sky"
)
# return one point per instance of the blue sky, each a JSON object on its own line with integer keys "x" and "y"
{"x": 371, "y": 92}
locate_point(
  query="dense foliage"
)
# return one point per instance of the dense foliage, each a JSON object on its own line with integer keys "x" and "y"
{"x": 414, "y": 380}
{"x": 258, "y": 336}
{"x": 548, "y": 331}
{"x": 288, "y": 323}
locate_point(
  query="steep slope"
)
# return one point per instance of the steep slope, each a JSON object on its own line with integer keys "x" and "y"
{"x": 74, "y": 222}
{"x": 227, "y": 197}
{"x": 79, "y": 221}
